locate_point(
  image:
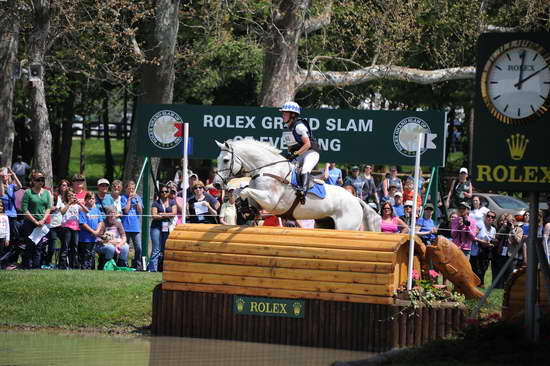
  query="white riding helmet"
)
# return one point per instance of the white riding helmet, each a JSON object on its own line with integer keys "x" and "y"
{"x": 290, "y": 107}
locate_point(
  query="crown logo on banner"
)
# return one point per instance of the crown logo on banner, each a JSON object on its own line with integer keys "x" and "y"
{"x": 517, "y": 144}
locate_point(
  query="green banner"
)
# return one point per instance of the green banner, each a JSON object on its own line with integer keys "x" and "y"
{"x": 345, "y": 136}
{"x": 512, "y": 115}
{"x": 264, "y": 306}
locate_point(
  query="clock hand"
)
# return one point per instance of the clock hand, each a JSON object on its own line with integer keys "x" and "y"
{"x": 520, "y": 82}
{"x": 530, "y": 76}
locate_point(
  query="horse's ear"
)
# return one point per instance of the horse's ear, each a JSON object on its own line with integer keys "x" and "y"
{"x": 220, "y": 145}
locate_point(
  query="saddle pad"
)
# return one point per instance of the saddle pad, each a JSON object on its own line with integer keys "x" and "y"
{"x": 317, "y": 189}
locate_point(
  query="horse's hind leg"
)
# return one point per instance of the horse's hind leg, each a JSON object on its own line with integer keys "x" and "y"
{"x": 263, "y": 198}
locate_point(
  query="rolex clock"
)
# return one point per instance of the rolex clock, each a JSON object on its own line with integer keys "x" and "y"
{"x": 515, "y": 82}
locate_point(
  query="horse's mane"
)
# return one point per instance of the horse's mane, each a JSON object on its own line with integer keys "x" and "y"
{"x": 260, "y": 145}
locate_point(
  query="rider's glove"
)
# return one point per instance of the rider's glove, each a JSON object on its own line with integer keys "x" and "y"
{"x": 288, "y": 155}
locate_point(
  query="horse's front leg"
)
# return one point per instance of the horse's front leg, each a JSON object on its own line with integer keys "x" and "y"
{"x": 265, "y": 199}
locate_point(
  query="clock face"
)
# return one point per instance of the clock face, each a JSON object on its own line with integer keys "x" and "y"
{"x": 515, "y": 83}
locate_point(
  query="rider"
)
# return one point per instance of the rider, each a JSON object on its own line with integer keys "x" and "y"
{"x": 301, "y": 145}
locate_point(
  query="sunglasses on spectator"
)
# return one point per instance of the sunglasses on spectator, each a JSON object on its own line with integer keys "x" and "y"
{"x": 164, "y": 191}
{"x": 491, "y": 217}
{"x": 173, "y": 192}
{"x": 79, "y": 180}
{"x": 41, "y": 179}
{"x": 199, "y": 187}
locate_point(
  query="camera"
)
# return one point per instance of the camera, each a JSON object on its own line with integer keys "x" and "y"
{"x": 466, "y": 222}
{"x": 218, "y": 186}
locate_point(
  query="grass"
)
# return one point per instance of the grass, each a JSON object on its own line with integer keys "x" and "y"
{"x": 95, "y": 158}
{"x": 103, "y": 301}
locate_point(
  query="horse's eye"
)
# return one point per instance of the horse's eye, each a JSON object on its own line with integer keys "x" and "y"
{"x": 226, "y": 161}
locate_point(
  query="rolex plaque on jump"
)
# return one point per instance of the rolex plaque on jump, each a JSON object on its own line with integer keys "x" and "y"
{"x": 511, "y": 142}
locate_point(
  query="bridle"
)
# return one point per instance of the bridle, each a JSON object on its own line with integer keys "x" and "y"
{"x": 242, "y": 171}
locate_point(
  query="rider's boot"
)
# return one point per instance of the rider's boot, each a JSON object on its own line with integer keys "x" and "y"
{"x": 303, "y": 189}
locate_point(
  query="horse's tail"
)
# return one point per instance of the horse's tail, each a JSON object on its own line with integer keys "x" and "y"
{"x": 371, "y": 219}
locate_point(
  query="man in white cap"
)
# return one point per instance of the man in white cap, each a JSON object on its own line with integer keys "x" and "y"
{"x": 461, "y": 190}
{"x": 407, "y": 209}
{"x": 102, "y": 198}
{"x": 398, "y": 204}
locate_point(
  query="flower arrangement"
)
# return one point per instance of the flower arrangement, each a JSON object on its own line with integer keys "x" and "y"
{"x": 427, "y": 292}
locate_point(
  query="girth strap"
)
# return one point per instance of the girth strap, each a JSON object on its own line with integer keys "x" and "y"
{"x": 289, "y": 214}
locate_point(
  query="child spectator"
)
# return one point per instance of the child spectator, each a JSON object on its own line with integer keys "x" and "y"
{"x": 89, "y": 223}
{"x": 112, "y": 238}
{"x": 408, "y": 193}
{"x": 79, "y": 186}
{"x": 228, "y": 212}
{"x": 116, "y": 189}
{"x": 71, "y": 227}
{"x": 132, "y": 208}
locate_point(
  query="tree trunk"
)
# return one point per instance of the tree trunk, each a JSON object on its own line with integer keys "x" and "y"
{"x": 64, "y": 155}
{"x": 37, "y": 97}
{"x": 109, "y": 163}
{"x": 279, "y": 82}
{"x": 83, "y": 137}
{"x": 9, "y": 43}
{"x": 157, "y": 80}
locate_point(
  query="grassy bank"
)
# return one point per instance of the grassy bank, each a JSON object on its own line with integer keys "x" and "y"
{"x": 97, "y": 300}
{"x": 95, "y": 158}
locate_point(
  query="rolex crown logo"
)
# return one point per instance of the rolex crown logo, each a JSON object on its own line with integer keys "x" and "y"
{"x": 517, "y": 144}
{"x": 240, "y": 304}
{"x": 297, "y": 308}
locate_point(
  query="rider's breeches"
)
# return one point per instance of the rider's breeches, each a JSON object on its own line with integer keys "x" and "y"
{"x": 308, "y": 160}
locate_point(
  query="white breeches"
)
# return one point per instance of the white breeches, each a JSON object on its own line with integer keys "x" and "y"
{"x": 308, "y": 160}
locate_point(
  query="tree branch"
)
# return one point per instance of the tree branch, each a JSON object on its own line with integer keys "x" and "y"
{"x": 310, "y": 78}
{"x": 320, "y": 21}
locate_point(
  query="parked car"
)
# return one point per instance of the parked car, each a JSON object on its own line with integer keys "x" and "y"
{"x": 503, "y": 204}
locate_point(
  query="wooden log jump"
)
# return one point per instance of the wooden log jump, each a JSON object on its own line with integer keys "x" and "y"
{"x": 335, "y": 288}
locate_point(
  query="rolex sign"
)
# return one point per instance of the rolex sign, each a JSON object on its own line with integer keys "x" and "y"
{"x": 511, "y": 145}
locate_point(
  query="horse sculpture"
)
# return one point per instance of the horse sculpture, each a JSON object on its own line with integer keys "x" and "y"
{"x": 270, "y": 190}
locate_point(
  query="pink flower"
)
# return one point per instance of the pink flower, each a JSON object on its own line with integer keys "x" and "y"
{"x": 434, "y": 274}
{"x": 415, "y": 274}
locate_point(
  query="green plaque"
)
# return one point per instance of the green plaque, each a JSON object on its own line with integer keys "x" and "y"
{"x": 344, "y": 136}
{"x": 265, "y": 306}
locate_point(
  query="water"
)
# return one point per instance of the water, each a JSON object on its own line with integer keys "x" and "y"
{"x": 43, "y": 348}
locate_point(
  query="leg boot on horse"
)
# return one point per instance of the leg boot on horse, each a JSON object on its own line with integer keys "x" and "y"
{"x": 303, "y": 187}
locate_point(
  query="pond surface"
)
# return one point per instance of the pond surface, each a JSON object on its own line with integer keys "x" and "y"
{"x": 43, "y": 348}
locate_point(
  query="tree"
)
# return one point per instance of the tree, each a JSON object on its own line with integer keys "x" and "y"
{"x": 37, "y": 45}
{"x": 156, "y": 71}
{"x": 418, "y": 41}
{"x": 9, "y": 44}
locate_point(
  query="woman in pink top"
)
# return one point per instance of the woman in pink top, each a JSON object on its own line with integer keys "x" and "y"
{"x": 70, "y": 224}
{"x": 391, "y": 223}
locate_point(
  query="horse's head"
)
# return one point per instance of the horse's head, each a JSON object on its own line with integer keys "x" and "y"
{"x": 229, "y": 165}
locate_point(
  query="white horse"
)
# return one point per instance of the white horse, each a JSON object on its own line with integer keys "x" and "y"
{"x": 270, "y": 190}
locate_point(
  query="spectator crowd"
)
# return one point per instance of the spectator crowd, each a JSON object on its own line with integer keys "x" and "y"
{"x": 71, "y": 227}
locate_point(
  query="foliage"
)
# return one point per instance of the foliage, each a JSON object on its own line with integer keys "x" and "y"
{"x": 427, "y": 292}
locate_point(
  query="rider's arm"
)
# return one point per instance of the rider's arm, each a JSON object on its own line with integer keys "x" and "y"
{"x": 305, "y": 147}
